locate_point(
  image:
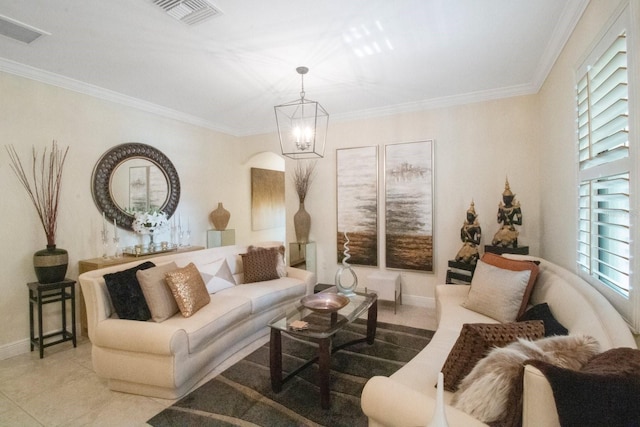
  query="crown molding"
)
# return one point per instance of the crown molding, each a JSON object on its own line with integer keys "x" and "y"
{"x": 564, "y": 28}
{"x": 58, "y": 80}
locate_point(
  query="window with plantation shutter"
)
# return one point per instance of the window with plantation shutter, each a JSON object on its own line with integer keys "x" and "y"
{"x": 606, "y": 169}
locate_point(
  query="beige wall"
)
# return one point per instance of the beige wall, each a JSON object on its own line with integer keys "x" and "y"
{"x": 558, "y": 137}
{"x": 476, "y": 147}
{"x": 33, "y": 114}
{"x": 530, "y": 139}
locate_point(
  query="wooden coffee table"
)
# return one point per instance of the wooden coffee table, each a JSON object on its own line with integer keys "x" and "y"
{"x": 322, "y": 328}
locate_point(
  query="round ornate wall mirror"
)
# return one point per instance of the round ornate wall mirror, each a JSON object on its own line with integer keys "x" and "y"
{"x": 134, "y": 177}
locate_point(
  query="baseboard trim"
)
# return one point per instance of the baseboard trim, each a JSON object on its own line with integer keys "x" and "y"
{"x": 14, "y": 349}
{"x": 428, "y": 302}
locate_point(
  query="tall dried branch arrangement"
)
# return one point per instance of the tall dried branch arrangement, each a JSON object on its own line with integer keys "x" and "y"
{"x": 44, "y": 186}
{"x": 302, "y": 178}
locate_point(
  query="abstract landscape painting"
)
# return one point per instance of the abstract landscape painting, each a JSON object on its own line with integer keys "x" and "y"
{"x": 357, "y": 192}
{"x": 409, "y": 205}
{"x": 267, "y": 199}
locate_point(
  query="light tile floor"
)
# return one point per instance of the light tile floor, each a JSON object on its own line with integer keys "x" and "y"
{"x": 62, "y": 389}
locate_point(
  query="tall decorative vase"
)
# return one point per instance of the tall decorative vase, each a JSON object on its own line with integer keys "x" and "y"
{"x": 50, "y": 264}
{"x": 302, "y": 224}
{"x": 220, "y": 217}
{"x": 439, "y": 418}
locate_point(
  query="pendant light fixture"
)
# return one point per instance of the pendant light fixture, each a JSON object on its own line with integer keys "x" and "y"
{"x": 302, "y": 125}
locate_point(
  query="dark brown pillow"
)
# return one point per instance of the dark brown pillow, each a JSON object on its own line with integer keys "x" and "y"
{"x": 260, "y": 266}
{"x": 477, "y": 339}
{"x": 603, "y": 392}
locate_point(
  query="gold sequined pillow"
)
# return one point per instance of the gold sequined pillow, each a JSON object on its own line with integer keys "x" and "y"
{"x": 188, "y": 289}
{"x": 260, "y": 265}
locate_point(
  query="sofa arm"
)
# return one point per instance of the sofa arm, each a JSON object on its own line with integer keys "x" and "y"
{"x": 538, "y": 404}
{"x": 387, "y": 402}
{"x": 142, "y": 337}
{"x": 308, "y": 277}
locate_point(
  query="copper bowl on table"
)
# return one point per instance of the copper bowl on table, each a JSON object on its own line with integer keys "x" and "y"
{"x": 324, "y": 302}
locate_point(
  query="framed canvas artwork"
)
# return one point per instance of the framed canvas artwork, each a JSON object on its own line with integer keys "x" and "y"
{"x": 408, "y": 187}
{"x": 267, "y": 199}
{"x": 357, "y": 202}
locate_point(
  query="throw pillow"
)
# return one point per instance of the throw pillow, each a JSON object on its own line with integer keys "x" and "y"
{"x": 604, "y": 392}
{"x": 126, "y": 296}
{"x": 217, "y": 276}
{"x": 516, "y": 265}
{"x": 260, "y": 266}
{"x": 188, "y": 289}
{"x": 156, "y": 292}
{"x": 543, "y": 312}
{"x": 492, "y": 390}
{"x": 497, "y": 292}
{"x": 281, "y": 266}
{"x": 476, "y": 340}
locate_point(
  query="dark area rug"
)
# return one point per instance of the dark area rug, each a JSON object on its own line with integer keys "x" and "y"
{"x": 242, "y": 396}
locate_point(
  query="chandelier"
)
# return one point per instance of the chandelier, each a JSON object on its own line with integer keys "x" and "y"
{"x": 302, "y": 125}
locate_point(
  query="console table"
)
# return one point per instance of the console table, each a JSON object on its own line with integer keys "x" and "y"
{"x": 45, "y": 293}
{"x": 97, "y": 263}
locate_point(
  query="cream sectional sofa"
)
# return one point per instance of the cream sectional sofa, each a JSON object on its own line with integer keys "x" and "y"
{"x": 407, "y": 398}
{"x": 169, "y": 358}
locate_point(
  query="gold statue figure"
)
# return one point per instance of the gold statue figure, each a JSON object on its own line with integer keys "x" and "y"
{"x": 509, "y": 214}
{"x": 470, "y": 234}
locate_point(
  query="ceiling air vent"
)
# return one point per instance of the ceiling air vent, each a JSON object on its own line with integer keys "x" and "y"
{"x": 190, "y": 12}
{"x": 18, "y": 31}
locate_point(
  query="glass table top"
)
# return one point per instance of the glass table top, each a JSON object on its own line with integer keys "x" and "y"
{"x": 323, "y": 325}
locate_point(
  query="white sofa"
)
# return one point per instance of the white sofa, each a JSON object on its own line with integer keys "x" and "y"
{"x": 407, "y": 398}
{"x": 169, "y": 358}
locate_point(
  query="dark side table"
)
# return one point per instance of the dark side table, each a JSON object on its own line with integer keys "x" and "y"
{"x": 45, "y": 293}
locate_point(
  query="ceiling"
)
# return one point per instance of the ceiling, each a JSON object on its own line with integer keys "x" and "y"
{"x": 366, "y": 58}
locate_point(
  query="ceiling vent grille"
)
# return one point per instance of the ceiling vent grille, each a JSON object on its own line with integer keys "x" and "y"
{"x": 18, "y": 31}
{"x": 191, "y": 12}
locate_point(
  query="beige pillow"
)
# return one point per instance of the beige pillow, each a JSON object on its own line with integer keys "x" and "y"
{"x": 217, "y": 276}
{"x": 156, "y": 292}
{"x": 188, "y": 289}
{"x": 497, "y": 292}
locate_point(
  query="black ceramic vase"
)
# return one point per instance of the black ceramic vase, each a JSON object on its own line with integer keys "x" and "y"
{"x": 51, "y": 264}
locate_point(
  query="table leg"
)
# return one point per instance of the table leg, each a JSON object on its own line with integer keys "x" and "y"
{"x": 31, "y": 328}
{"x": 324, "y": 371}
{"x": 372, "y": 322}
{"x": 73, "y": 313}
{"x": 40, "y": 339}
{"x": 275, "y": 360}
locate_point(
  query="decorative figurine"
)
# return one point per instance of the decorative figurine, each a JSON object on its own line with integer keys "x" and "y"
{"x": 470, "y": 234}
{"x": 509, "y": 214}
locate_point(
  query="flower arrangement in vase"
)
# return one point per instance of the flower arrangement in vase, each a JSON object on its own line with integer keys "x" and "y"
{"x": 43, "y": 188}
{"x": 150, "y": 222}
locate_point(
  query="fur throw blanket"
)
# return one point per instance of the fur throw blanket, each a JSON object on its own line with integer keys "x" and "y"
{"x": 603, "y": 392}
{"x": 492, "y": 392}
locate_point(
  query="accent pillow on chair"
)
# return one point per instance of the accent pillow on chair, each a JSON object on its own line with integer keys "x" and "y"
{"x": 543, "y": 312}
{"x": 126, "y": 296}
{"x": 603, "y": 392}
{"x": 156, "y": 291}
{"x": 492, "y": 392}
{"x": 260, "y": 265}
{"x": 476, "y": 340}
{"x": 497, "y": 292}
{"x": 188, "y": 289}
{"x": 516, "y": 265}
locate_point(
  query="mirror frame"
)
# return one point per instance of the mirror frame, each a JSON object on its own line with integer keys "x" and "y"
{"x": 109, "y": 162}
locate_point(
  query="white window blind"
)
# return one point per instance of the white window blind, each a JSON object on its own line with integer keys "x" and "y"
{"x": 604, "y": 168}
